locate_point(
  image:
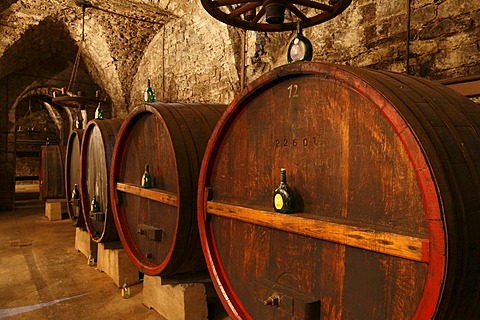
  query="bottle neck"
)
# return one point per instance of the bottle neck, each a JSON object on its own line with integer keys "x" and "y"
{"x": 299, "y": 29}
{"x": 283, "y": 176}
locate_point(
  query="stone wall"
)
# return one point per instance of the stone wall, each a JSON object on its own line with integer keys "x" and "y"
{"x": 190, "y": 60}
{"x": 436, "y": 39}
{"x": 7, "y": 155}
{"x": 34, "y": 126}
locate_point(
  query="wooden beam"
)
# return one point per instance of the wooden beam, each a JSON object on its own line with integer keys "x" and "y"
{"x": 394, "y": 244}
{"x": 314, "y": 4}
{"x": 148, "y": 193}
{"x": 243, "y": 9}
{"x": 220, "y": 3}
{"x": 467, "y": 86}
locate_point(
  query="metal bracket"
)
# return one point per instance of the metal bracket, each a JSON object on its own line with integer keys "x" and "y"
{"x": 287, "y": 302}
{"x": 97, "y": 216}
{"x": 150, "y": 232}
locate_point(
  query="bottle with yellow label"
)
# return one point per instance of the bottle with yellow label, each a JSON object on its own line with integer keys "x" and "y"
{"x": 283, "y": 200}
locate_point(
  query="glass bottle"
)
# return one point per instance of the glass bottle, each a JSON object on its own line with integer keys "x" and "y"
{"x": 147, "y": 178}
{"x": 300, "y": 48}
{"x": 283, "y": 200}
{"x": 91, "y": 259}
{"x": 149, "y": 94}
{"x": 94, "y": 205}
{"x": 125, "y": 290}
{"x": 75, "y": 193}
{"x": 99, "y": 112}
{"x": 79, "y": 121}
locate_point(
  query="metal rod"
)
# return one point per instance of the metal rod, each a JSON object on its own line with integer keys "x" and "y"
{"x": 83, "y": 22}
{"x": 163, "y": 62}
{"x": 242, "y": 69}
{"x": 36, "y": 142}
{"x": 408, "y": 36}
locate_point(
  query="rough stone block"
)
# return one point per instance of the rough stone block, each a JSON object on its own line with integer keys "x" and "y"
{"x": 84, "y": 244}
{"x": 54, "y": 209}
{"x": 175, "y": 302}
{"x": 114, "y": 261}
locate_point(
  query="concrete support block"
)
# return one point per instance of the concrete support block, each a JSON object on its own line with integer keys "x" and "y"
{"x": 54, "y": 209}
{"x": 114, "y": 261}
{"x": 175, "y": 302}
{"x": 84, "y": 244}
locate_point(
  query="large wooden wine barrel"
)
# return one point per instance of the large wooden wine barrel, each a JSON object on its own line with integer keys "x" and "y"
{"x": 384, "y": 169}
{"x": 95, "y": 162}
{"x": 51, "y": 173}
{"x": 72, "y": 177}
{"x": 157, "y": 226}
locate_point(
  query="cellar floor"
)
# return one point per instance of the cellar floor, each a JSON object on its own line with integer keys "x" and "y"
{"x": 42, "y": 276}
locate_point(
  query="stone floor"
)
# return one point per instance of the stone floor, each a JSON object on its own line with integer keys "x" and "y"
{"x": 42, "y": 276}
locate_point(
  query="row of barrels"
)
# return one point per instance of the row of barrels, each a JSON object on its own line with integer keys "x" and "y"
{"x": 385, "y": 168}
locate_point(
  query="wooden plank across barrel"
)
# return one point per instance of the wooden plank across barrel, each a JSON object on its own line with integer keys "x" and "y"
{"x": 72, "y": 177}
{"x": 51, "y": 172}
{"x": 383, "y": 170}
{"x": 95, "y": 161}
{"x": 157, "y": 225}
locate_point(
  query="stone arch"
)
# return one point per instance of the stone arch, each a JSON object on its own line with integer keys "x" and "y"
{"x": 61, "y": 117}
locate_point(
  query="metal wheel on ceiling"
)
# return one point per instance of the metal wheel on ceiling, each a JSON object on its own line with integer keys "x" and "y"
{"x": 274, "y": 15}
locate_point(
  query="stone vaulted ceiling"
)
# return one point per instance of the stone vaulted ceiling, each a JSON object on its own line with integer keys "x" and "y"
{"x": 42, "y": 37}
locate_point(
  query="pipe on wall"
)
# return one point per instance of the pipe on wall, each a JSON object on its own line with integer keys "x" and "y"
{"x": 242, "y": 69}
{"x": 409, "y": 4}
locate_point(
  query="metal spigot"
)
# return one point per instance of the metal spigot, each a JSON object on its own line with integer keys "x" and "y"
{"x": 273, "y": 300}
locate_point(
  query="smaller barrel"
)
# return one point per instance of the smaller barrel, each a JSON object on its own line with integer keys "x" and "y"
{"x": 51, "y": 172}
{"x": 72, "y": 177}
{"x": 95, "y": 159}
{"x": 157, "y": 225}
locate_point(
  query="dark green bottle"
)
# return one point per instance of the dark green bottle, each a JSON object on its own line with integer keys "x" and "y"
{"x": 149, "y": 94}
{"x": 94, "y": 205}
{"x": 99, "y": 112}
{"x": 300, "y": 49}
{"x": 147, "y": 178}
{"x": 283, "y": 200}
{"x": 75, "y": 193}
